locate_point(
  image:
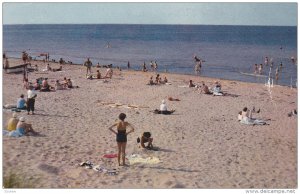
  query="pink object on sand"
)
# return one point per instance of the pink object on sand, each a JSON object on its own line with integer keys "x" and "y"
{"x": 110, "y": 155}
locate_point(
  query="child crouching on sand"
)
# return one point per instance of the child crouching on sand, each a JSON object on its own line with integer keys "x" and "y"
{"x": 146, "y": 138}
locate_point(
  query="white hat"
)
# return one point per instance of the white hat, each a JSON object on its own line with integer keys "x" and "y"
{"x": 163, "y": 101}
{"x": 14, "y": 115}
{"x": 22, "y": 119}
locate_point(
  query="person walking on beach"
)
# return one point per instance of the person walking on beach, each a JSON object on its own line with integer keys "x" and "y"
{"x": 155, "y": 66}
{"x": 144, "y": 68}
{"x": 277, "y": 73}
{"x": 31, "y": 95}
{"x": 266, "y": 61}
{"x": 260, "y": 68}
{"x": 121, "y": 136}
{"x": 255, "y": 68}
{"x": 24, "y": 57}
{"x": 128, "y": 65}
{"x": 88, "y": 65}
{"x": 198, "y": 64}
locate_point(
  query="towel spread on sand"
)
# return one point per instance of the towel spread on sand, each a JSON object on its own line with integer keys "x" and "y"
{"x": 117, "y": 105}
{"x": 185, "y": 86}
{"x": 136, "y": 158}
{"x": 253, "y": 122}
{"x": 98, "y": 168}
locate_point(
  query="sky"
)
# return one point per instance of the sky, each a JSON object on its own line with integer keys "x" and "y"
{"x": 195, "y": 13}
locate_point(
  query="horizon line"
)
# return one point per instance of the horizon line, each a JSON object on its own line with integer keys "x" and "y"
{"x": 155, "y": 24}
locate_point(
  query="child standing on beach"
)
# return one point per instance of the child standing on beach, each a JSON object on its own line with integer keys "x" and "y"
{"x": 121, "y": 136}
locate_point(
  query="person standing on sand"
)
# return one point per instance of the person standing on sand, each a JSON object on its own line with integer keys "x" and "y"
{"x": 88, "y": 65}
{"x": 198, "y": 64}
{"x": 255, "y": 68}
{"x": 260, "y": 69}
{"x": 277, "y": 73}
{"x": 266, "y": 61}
{"x": 128, "y": 65}
{"x": 121, "y": 136}
{"x": 155, "y": 66}
{"x": 144, "y": 68}
{"x": 24, "y": 57}
{"x": 31, "y": 95}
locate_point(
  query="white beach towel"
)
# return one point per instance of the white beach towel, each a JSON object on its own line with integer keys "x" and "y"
{"x": 136, "y": 158}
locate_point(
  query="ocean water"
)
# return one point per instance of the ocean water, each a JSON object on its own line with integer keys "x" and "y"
{"x": 227, "y": 50}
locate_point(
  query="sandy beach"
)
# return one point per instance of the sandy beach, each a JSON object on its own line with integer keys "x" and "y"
{"x": 202, "y": 145}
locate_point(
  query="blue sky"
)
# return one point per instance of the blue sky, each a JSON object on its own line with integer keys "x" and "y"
{"x": 274, "y": 14}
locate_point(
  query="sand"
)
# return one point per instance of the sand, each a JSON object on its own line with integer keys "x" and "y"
{"x": 202, "y": 145}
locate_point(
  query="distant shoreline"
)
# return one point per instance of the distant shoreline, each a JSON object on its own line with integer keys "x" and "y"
{"x": 193, "y": 76}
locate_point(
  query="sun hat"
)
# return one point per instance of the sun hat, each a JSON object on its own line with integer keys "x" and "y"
{"x": 14, "y": 115}
{"x": 22, "y": 119}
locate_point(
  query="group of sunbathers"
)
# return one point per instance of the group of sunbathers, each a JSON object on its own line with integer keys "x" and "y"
{"x": 158, "y": 80}
{"x": 215, "y": 91}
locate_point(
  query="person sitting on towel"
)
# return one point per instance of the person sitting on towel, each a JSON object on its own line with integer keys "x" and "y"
{"x": 205, "y": 89}
{"x": 245, "y": 117}
{"x": 146, "y": 138}
{"x": 163, "y": 109}
{"x": 12, "y": 123}
{"x": 21, "y": 103}
{"x": 23, "y": 128}
{"x": 217, "y": 89}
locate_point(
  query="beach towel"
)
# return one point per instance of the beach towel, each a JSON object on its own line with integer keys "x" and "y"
{"x": 110, "y": 155}
{"x": 9, "y": 106}
{"x": 14, "y": 134}
{"x": 99, "y": 168}
{"x": 136, "y": 158}
{"x": 252, "y": 121}
{"x": 217, "y": 94}
{"x": 5, "y": 132}
{"x": 117, "y": 105}
{"x": 186, "y": 86}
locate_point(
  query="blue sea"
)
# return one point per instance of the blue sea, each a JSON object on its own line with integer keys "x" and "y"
{"x": 227, "y": 50}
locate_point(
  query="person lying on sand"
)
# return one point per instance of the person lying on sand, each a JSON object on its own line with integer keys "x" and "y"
{"x": 146, "y": 138}
{"x": 245, "y": 117}
{"x": 57, "y": 69}
{"x": 173, "y": 99}
{"x": 163, "y": 109}
{"x": 97, "y": 76}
